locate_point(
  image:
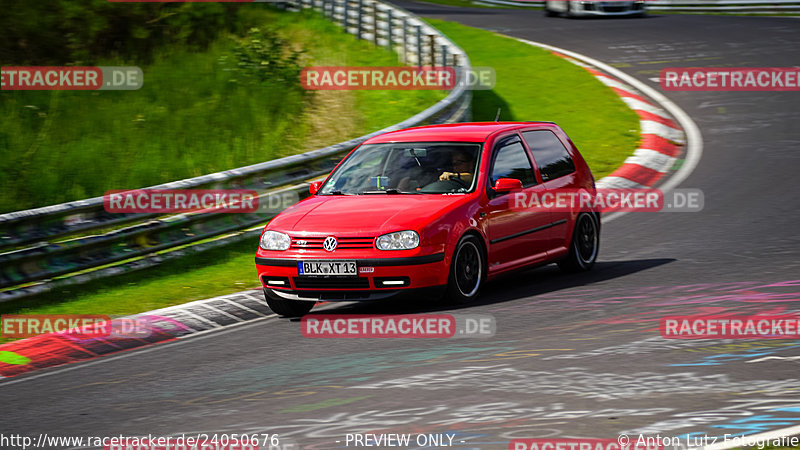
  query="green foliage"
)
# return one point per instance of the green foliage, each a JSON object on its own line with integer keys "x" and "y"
{"x": 73, "y": 32}
{"x": 266, "y": 57}
{"x": 236, "y": 103}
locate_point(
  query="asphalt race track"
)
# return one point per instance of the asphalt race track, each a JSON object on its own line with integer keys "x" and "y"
{"x": 574, "y": 355}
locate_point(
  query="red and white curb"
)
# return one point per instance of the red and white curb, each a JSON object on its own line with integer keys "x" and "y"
{"x": 166, "y": 324}
{"x": 662, "y": 139}
{"x": 671, "y": 143}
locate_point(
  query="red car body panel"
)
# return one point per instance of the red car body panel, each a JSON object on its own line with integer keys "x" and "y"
{"x": 512, "y": 239}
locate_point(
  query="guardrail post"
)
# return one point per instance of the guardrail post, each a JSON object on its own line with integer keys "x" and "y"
{"x": 405, "y": 40}
{"x": 419, "y": 45}
{"x": 389, "y": 30}
{"x": 375, "y": 23}
{"x": 444, "y": 55}
{"x": 432, "y": 42}
{"x": 360, "y": 22}
{"x": 346, "y": 16}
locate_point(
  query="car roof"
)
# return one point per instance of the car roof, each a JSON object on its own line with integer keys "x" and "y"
{"x": 452, "y": 132}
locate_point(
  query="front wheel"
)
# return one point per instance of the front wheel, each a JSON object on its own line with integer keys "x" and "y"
{"x": 568, "y": 14}
{"x": 288, "y": 308}
{"x": 584, "y": 246}
{"x": 466, "y": 271}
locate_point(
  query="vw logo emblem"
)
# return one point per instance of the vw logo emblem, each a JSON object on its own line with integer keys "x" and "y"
{"x": 329, "y": 244}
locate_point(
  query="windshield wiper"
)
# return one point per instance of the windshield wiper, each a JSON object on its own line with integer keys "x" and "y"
{"x": 387, "y": 191}
{"x": 336, "y": 192}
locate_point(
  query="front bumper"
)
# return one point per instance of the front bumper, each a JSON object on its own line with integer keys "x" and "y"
{"x": 611, "y": 8}
{"x": 377, "y": 278}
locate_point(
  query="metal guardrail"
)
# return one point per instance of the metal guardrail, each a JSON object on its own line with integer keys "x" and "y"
{"x": 52, "y": 241}
{"x": 712, "y": 6}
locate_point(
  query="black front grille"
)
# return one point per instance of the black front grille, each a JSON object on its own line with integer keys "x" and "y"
{"x": 315, "y": 243}
{"x": 331, "y": 283}
{"x": 615, "y": 8}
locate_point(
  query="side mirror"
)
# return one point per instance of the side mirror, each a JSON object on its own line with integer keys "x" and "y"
{"x": 314, "y": 187}
{"x": 503, "y": 185}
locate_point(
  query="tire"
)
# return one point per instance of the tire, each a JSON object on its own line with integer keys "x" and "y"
{"x": 467, "y": 271}
{"x": 288, "y": 308}
{"x": 568, "y": 14}
{"x": 584, "y": 245}
{"x": 549, "y": 12}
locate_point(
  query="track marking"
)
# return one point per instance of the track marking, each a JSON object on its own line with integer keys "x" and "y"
{"x": 199, "y": 318}
{"x": 767, "y": 435}
{"x": 231, "y": 302}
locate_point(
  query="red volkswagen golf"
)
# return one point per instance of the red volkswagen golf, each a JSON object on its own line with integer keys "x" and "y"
{"x": 429, "y": 208}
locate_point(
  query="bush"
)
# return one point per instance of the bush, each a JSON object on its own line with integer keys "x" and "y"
{"x": 265, "y": 57}
{"x": 80, "y": 32}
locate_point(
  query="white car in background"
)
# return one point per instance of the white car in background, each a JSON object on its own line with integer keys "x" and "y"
{"x": 580, "y": 8}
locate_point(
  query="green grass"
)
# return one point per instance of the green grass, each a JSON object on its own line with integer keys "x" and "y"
{"x": 531, "y": 85}
{"x": 191, "y": 117}
{"x": 215, "y": 272}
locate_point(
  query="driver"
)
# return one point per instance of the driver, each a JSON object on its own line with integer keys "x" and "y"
{"x": 462, "y": 167}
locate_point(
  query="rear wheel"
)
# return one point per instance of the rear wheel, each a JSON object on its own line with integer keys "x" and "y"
{"x": 288, "y": 308}
{"x": 549, "y": 12}
{"x": 584, "y": 246}
{"x": 466, "y": 271}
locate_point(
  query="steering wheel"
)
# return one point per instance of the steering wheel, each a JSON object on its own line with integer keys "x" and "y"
{"x": 442, "y": 186}
{"x": 460, "y": 181}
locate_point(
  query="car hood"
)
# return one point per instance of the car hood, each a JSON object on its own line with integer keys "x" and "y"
{"x": 372, "y": 214}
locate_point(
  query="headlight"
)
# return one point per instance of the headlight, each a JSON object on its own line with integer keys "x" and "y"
{"x": 401, "y": 240}
{"x": 273, "y": 240}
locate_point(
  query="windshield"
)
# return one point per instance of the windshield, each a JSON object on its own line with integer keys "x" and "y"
{"x": 406, "y": 168}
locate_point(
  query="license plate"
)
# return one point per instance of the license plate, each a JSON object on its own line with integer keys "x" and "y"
{"x": 317, "y": 268}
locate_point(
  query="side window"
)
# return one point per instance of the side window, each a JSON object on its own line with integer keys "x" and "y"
{"x": 511, "y": 161}
{"x": 551, "y": 156}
